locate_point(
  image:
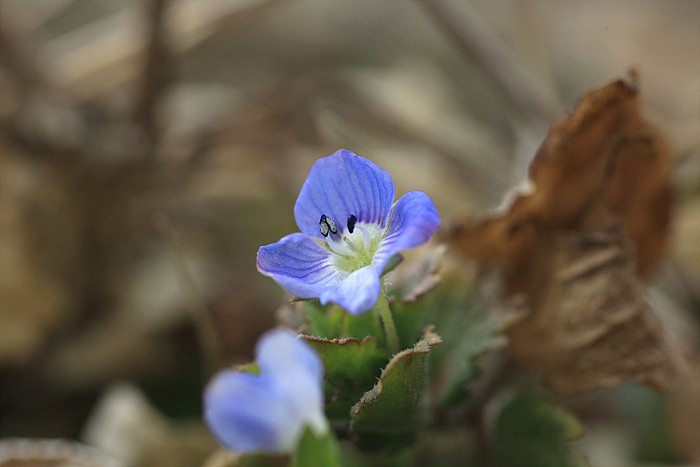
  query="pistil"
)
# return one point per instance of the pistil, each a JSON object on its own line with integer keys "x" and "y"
{"x": 367, "y": 238}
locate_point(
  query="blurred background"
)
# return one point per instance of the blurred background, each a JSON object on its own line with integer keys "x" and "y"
{"x": 148, "y": 148}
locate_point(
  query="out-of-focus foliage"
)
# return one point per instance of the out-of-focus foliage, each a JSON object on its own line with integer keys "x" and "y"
{"x": 532, "y": 432}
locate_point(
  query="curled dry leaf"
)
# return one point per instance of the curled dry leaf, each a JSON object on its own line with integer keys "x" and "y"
{"x": 601, "y": 164}
{"x": 595, "y": 221}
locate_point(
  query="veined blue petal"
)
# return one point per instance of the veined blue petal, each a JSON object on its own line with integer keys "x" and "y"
{"x": 299, "y": 264}
{"x": 248, "y": 413}
{"x": 341, "y": 185}
{"x": 414, "y": 220}
{"x": 357, "y": 293}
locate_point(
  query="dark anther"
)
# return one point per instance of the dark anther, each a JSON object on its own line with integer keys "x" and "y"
{"x": 331, "y": 225}
{"x": 324, "y": 225}
{"x": 351, "y": 222}
{"x": 327, "y": 225}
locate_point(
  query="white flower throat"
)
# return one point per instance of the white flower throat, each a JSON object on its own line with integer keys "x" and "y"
{"x": 356, "y": 246}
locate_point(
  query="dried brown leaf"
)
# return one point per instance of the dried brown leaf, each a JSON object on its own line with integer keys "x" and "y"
{"x": 591, "y": 326}
{"x": 601, "y": 164}
{"x": 596, "y": 220}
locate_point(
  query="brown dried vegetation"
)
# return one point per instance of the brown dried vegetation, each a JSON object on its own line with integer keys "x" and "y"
{"x": 596, "y": 222}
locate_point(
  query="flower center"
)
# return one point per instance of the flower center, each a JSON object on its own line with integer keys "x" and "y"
{"x": 354, "y": 247}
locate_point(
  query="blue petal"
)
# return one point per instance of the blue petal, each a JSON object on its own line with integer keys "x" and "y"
{"x": 279, "y": 353}
{"x": 299, "y": 264}
{"x": 414, "y": 220}
{"x": 248, "y": 413}
{"x": 356, "y": 294}
{"x": 341, "y": 185}
{"x": 298, "y": 369}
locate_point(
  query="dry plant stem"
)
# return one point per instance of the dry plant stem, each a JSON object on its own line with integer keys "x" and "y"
{"x": 206, "y": 332}
{"x": 392, "y": 337}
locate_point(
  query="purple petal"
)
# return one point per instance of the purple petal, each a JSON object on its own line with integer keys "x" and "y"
{"x": 248, "y": 413}
{"x": 414, "y": 220}
{"x": 299, "y": 264}
{"x": 341, "y": 185}
{"x": 356, "y": 294}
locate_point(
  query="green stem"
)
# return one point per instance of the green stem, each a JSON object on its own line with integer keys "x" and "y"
{"x": 392, "y": 336}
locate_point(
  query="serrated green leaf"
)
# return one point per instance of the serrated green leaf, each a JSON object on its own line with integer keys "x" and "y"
{"x": 331, "y": 322}
{"x": 392, "y": 407}
{"x": 349, "y": 362}
{"x": 324, "y": 320}
{"x": 533, "y": 432}
{"x": 352, "y": 367}
{"x": 317, "y": 451}
{"x": 408, "y": 318}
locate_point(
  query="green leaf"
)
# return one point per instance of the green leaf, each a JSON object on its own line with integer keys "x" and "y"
{"x": 352, "y": 367}
{"x": 481, "y": 332}
{"x": 349, "y": 362}
{"x": 468, "y": 327}
{"x": 361, "y": 326}
{"x": 324, "y": 320}
{"x": 331, "y": 322}
{"x": 444, "y": 308}
{"x": 391, "y": 409}
{"x": 317, "y": 451}
{"x": 532, "y": 432}
{"x": 408, "y": 286}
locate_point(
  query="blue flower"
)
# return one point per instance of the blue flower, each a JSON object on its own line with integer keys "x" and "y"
{"x": 351, "y": 228}
{"x": 270, "y": 411}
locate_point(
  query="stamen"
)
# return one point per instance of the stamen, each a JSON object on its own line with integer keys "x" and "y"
{"x": 331, "y": 225}
{"x": 339, "y": 248}
{"x": 352, "y": 245}
{"x": 351, "y": 223}
{"x": 367, "y": 237}
{"x": 327, "y": 225}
